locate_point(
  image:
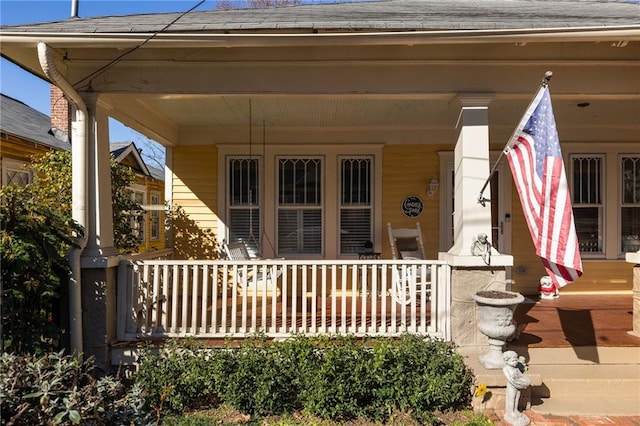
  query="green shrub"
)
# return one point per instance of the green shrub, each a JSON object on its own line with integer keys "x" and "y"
{"x": 59, "y": 389}
{"x": 35, "y": 242}
{"x": 330, "y": 377}
{"x": 419, "y": 374}
{"x": 178, "y": 376}
{"x": 341, "y": 387}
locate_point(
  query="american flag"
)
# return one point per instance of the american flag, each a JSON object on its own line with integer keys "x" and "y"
{"x": 538, "y": 172}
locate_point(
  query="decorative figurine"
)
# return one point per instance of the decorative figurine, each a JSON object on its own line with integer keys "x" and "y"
{"x": 516, "y": 382}
{"x": 481, "y": 246}
{"x": 547, "y": 289}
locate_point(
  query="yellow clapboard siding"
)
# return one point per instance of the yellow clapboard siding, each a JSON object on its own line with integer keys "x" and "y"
{"x": 406, "y": 170}
{"x": 195, "y": 191}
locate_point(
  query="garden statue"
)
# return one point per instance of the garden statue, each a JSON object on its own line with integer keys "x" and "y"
{"x": 516, "y": 382}
{"x": 547, "y": 288}
{"x": 481, "y": 246}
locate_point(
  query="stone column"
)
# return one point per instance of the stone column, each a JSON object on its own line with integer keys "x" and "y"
{"x": 635, "y": 259}
{"x": 100, "y": 258}
{"x": 470, "y": 273}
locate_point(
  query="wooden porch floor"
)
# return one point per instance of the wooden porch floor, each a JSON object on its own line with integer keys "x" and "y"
{"x": 576, "y": 320}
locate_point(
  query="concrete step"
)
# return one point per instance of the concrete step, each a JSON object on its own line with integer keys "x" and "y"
{"x": 596, "y": 381}
{"x": 580, "y": 355}
{"x": 620, "y": 382}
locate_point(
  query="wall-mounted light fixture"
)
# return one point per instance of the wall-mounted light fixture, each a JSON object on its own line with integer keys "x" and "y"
{"x": 433, "y": 187}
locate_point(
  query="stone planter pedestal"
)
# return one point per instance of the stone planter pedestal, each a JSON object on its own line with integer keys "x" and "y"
{"x": 496, "y": 322}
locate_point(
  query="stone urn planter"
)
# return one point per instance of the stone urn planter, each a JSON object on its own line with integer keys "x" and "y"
{"x": 496, "y": 322}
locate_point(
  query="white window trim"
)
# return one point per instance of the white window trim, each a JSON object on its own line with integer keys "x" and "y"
{"x": 569, "y": 170}
{"x": 330, "y": 153}
{"x": 621, "y": 254}
{"x": 154, "y": 210}
{"x": 141, "y": 189}
{"x": 611, "y": 193}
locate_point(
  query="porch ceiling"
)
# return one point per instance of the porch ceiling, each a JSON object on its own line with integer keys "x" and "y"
{"x": 580, "y": 117}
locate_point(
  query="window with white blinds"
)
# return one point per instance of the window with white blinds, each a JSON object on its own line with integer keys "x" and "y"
{"x": 355, "y": 203}
{"x": 588, "y": 203}
{"x": 244, "y": 201}
{"x": 630, "y": 203}
{"x": 300, "y": 225}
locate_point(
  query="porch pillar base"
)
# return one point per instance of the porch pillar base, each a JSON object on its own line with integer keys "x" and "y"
{"x": 635, "y": 258}
{"x": 469, "y": 274}
{"x": 99, "y": 308}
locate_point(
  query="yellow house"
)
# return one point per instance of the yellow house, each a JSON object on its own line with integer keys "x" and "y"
{"x": 24, "y": 132}
{"x": 303, "y": 131}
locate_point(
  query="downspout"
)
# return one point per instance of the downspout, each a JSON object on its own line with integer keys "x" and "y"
{"x": 79, "y": 193}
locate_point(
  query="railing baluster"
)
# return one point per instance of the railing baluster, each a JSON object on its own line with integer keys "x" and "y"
{"x": 145, "y": 299}
{"x": 354, "y": 292}
{"x": 204, "y": 304}
{"x": 314, "y": 292}
{"x": 214, "y": 299}
{"x": 185, "y": 299}
{"x": 343, "y": 300}
{"x": 334, "y": 296}
{"x": 284, "y": 298}
{"x": 174, "y": 300}
{"x": 363, "y": 296}
{"x": 323, "y": 283}
{"x": 164, "y": 297}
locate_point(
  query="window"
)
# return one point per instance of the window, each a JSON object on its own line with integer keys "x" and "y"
{"x": 244, "y": 202}
{"x": 588, "y": 203}
{"x": 630, "y": 203}
{"x": 301, "y": 201}
{"x": 299, "y": 206}
{"x": 15, "y": 173}
{"x": 137, "y": 218}
{"x": 355, "y": 204}
{"x": 154, "y": 216}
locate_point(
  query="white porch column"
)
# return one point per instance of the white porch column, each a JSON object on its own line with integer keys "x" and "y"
{"x": 470, "y": 273}
{"x": 100, "y": 258}
{"x": 100, "y": 226}
{"x": 471, "y": 171}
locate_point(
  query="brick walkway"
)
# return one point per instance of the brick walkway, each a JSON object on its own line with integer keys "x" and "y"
{"x": 538, "y": 419}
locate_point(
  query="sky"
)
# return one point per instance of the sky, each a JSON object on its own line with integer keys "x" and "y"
{"x": 33, "y": 91}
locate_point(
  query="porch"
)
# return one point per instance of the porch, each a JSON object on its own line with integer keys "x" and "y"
{"x": 218, "y": 299}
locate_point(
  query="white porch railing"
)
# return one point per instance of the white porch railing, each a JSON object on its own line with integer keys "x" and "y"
{"x": 215, "y": 299}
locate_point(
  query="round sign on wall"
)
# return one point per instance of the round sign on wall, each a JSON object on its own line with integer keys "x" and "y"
{"x": 412, "y": 206}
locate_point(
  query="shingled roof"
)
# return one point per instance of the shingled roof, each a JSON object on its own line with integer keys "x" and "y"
{"x": 20, "y": 120}
{"x": 381, "y": 15}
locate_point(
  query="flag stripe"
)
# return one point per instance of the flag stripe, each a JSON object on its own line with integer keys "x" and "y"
{"x": 538, "y": 170}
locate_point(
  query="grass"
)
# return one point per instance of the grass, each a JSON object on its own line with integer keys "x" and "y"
{"x": 227, "y": 416}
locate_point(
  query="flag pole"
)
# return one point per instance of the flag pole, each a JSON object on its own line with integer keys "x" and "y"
{"x": 543, "y": 85}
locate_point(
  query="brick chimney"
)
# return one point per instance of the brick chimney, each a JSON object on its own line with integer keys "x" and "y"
{"x": 60, "y": 110}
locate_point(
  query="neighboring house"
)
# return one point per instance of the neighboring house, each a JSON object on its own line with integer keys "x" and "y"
{"x": 26, "y": 132}
{"x": 305, "y": 130}
{"x": 148, "y": 192}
